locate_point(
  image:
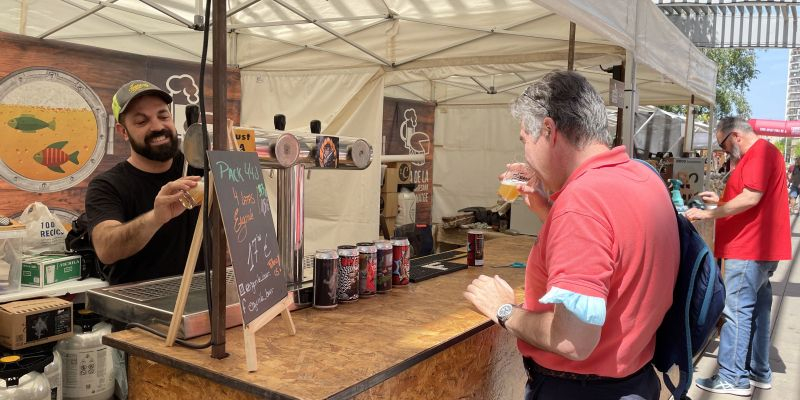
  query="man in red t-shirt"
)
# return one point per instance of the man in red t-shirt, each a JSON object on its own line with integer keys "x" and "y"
{"x": 752, "y": 235}
{"x": 600, "y": 278}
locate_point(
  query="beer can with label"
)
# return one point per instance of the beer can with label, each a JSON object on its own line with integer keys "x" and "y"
{"x": 400, "y": 260}
{"x": 475, "y": 248}
{"x": 348, "y": 274}
{"x": 326, "y": 273}
{"x": 385, "y": 256}
{"x": 367, "y": 269}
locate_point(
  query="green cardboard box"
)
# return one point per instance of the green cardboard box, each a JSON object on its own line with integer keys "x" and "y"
{"x": 41, "y": 271}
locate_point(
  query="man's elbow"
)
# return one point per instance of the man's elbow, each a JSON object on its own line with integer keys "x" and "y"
{"x": 577, "y": 349}
{"x": 104, "y": 255}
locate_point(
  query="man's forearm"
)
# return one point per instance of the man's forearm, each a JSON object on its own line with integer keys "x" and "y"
{"x": 116, "y": 242}
{"x": 739, "y": 204}
{"x": 563, "y": 335}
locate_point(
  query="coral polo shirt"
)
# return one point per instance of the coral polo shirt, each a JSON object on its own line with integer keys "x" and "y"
{"x": 611, "y": 233}
{"x": 762, "y": 232}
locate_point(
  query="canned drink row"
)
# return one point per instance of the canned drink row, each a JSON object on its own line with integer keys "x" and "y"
{"x": 350, "y": 272}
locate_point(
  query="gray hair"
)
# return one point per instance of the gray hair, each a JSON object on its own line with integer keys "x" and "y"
{"x": 738, "y": 124}
{"x": 571, "y": 101}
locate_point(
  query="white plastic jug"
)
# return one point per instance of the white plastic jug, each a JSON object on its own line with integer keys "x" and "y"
{"x": 31, "y": 386}
{"x": 407, "y": 207}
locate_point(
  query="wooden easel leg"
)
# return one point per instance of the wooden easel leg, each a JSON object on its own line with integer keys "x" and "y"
{"x": 188, "y": 269}
{"x": 186, "y": 281}
{"x": 250, "y": 349}
{"x": 287, "y": 317}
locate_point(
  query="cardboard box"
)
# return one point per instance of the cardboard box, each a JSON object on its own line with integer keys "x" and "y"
{"x": 41, "y": 271}
{"x": 31, "y": 322}
{"x": 390, "y": 225}
{"x": 397, "y": 175}
{"x": 389, "y": 206}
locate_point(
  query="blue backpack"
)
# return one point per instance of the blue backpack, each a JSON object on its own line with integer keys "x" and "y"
{"x": 697, "y": 303}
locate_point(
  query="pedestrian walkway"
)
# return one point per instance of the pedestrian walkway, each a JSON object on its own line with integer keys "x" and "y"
{"x": 785, "y": 352}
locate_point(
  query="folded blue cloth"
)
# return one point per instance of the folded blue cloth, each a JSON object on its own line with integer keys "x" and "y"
{"x": 589, "y": 309}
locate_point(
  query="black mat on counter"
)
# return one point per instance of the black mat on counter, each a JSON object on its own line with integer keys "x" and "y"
{"x": 422, "y": 272}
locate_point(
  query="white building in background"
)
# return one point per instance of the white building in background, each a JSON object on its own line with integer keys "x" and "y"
{"x": 793, "y": 87}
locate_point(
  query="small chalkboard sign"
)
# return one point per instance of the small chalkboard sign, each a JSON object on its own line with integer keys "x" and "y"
{"x": 246, "y": 216}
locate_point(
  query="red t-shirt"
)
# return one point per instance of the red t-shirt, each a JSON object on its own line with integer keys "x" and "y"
{"x": 762, "y": 232}
{"x": 611, "y": 233}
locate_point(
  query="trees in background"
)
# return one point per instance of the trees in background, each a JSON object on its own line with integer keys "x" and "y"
{"x": 735, "y": 69}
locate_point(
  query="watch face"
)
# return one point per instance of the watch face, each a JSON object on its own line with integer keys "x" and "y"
{"x": 504, "y": 311}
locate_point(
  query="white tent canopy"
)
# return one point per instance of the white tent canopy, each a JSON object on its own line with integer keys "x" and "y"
{"x": 505, "y": 42}
{"x": 335, "y": 60}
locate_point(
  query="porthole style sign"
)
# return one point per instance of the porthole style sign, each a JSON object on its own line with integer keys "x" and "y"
{"x": 53, "y": 130}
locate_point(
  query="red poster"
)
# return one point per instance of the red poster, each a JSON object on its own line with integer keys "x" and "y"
{"x": 408, "y": 129}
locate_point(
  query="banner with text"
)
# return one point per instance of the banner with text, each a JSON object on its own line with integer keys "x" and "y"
{"x": 408, "y": 129}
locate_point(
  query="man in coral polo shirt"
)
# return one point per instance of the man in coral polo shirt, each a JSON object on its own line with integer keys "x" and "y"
{"x": 600, "y": 278}
{"x": 752, "y": 235}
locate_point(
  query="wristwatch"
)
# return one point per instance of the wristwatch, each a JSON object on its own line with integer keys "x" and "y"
{"x": 504, "y": 313}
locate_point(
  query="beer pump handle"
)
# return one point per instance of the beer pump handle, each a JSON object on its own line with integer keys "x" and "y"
{"x": 192, "y": 114}
{"x": 316, "y": 126}
{"x": 280, "y": 122}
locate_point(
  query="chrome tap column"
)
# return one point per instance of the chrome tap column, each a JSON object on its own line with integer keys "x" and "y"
{"x": 291, "y": 154}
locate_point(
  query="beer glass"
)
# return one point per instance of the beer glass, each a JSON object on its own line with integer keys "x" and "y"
{"x": 516, "y": 174}
{"x": 193, "y": 197}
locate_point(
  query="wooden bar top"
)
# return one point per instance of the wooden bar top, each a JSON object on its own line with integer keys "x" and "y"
{"x": 339, "y": 353}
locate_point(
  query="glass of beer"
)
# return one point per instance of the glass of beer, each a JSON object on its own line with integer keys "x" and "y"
{"x": 516, "y": 174}
{"x": 193, "y": 197}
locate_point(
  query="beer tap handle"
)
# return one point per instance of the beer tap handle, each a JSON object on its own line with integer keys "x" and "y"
{"x": 279, "y": 120}
{"x": 192, "y": 114}
{"x": 316, "y": 126}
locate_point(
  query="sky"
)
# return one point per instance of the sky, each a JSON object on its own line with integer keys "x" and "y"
{"x": 767, "y": 92}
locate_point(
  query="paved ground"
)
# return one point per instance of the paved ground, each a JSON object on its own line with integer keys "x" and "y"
{"x": 785, "y": 353}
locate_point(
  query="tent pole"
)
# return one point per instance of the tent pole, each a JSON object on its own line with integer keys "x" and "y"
{"x": 571, "y": 54}
{"x": 631, "y": 98}
{"x": 712, "y": 122}
{"x": 220, "y": 67}
{"x": 688, "y": 133}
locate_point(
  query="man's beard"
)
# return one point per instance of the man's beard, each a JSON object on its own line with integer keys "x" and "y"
{"x": 162, "y": 152}
{"x": 736, "y": 153}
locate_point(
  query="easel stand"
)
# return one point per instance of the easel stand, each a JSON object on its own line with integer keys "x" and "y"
{"x": 249, "y": 330}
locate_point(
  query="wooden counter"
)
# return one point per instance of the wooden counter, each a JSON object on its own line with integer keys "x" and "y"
{"x": 421, "y": 341}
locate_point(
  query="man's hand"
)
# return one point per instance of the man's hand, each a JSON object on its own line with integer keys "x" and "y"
{"x": 166, "y": 205}
{"x": 695, "y": 214}
{"x": 488, "y": 294}
{"x": 709, "y": 197}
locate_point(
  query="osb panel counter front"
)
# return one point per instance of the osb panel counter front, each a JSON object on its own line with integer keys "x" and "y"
{"x": 417, "y": 342}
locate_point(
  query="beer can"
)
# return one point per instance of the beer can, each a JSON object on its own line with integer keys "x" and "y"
{"x": 367, "y": 269}
{"x": 326, "y": 274}
{"x": 475, "y": 248}
{"x": 400, "y": 259}
{"x": 385, "y": 257}
{"x": 347, "y": 289}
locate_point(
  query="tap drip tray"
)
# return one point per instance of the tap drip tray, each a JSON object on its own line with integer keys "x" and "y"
{"x": 152, "y": 303}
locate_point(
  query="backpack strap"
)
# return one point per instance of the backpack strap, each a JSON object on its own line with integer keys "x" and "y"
{"x": 712, "y": 280}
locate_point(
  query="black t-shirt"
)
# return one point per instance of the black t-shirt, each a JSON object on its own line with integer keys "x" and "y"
{"x": 123, "y": 193}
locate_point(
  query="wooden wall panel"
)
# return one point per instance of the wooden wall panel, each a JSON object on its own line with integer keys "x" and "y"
{"x": 104, "y": 71}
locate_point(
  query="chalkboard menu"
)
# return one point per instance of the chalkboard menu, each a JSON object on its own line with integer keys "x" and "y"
{"x": 246, "y": 216}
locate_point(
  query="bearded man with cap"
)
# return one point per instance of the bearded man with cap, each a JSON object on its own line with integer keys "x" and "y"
{"x": 136, "y": 221}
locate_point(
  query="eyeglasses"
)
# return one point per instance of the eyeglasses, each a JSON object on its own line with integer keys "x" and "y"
{"x": 722, "y": 143}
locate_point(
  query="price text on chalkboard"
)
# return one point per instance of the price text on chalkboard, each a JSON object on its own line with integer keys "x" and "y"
{"x": 250, "y": 231}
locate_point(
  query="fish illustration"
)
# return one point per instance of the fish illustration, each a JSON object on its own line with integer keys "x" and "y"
{"x": 27, "y": 123}
{"x": 53, "y": 156}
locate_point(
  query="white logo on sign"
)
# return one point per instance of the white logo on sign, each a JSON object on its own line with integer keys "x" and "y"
{"x": 415, "y": 142}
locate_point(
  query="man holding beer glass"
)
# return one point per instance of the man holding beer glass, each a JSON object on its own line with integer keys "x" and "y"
{"x": 599, "y": 280}
{"x": 137, "y": 209}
